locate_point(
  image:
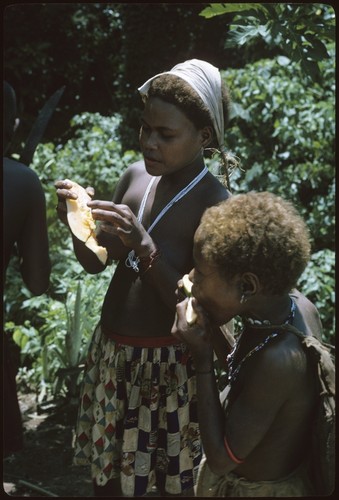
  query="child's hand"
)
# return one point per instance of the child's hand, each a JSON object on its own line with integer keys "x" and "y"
{"x": 196, "y": 335}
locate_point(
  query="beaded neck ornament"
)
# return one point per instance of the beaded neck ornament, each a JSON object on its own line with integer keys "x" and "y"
{"x": 132, "y": 259}
{"x": 234, "y": 371}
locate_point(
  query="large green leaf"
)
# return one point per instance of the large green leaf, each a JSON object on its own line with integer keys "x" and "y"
{"x": 217, "y": 9}
{"x": 74, "y": 331}
{"x": 240, "y": 35}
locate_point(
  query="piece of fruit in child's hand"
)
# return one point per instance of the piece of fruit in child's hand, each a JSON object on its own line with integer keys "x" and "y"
{"x": 191, "y": 315}
{"x": 187, "y": 285}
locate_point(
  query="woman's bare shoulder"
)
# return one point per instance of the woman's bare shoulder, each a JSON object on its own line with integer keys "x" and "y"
{"x": 214, "y": 189}
{"x": 134, "y": 172}
{"x": 136, "y": 169}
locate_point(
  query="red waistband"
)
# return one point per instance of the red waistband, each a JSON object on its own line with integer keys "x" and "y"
{"x": 142, "y": 341}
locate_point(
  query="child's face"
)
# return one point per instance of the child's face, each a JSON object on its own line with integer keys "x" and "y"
{"x": 220, "y": 298}
{"x": 168, "y": 139}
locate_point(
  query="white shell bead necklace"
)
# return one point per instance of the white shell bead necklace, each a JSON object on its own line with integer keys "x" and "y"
{"x": 234, "y": 371}
{"x": 132, "y": 260}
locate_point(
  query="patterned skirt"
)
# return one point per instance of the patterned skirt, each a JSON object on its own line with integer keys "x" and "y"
{"x": 138, "y": 416}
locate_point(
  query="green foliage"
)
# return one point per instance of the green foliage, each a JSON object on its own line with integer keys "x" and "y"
{"x": 318, "y": 284}
{"x": 283, "y": 130}
{"x": 101, "y": 52}
{"x": 53, "y": 330}
{"x": 301, "y": 31}
{"x": 92, "y": 156}
{"x": 217, "y": 9}
{"x": 54, "y": 341}
{"x": 49, "y": 45}
{"x": 74, "y": 333}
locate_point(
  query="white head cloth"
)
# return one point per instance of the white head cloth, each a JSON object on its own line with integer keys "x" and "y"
{"x": 205, "y": 79}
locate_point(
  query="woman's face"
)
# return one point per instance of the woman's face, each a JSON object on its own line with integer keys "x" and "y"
{"x": 219, "y": 297}
{"x": 168, "y": 139}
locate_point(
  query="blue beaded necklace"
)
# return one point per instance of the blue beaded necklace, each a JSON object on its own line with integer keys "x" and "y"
{"x": 232, "y": 371}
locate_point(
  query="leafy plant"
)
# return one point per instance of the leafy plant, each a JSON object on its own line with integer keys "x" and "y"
{"x": 53, "y": 330}
{"x": 318, "y": 284}
{"x": 301, "y": 31}
{"x": 92, "y": 155}
{"x": 283, "y": 130}
{"x": 57, "y": 349}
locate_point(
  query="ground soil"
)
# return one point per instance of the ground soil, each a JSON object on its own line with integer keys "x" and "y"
{"x": 44, "y": 466}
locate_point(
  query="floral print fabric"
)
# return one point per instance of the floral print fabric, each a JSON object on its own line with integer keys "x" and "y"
{"x": 138, "y": 417}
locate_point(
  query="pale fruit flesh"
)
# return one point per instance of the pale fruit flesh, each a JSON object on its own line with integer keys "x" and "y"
{"x": 81, "y": 222}
{"x": 191, "y": 315}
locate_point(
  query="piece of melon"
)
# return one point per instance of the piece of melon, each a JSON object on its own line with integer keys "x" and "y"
{"x": 81, "y": 222}
{"x": 99, "y": 251}
{"x": 191, "y": 315}
{"x": 187, "y": 284}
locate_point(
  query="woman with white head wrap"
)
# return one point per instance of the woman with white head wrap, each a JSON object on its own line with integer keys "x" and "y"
{"x": 137, "y": 424}
{"x": 205, "y": 80}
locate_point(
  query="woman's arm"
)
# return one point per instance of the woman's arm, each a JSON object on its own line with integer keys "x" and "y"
{"x": 33, "y": 244}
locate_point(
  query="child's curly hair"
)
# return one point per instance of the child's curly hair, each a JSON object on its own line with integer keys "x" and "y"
{"x": 259, "y": 233}
{"x": 175, "y": 90}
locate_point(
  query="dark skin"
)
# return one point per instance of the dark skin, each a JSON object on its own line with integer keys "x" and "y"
{"x": 24, "y": 234}
{"x": 145, "y": 306}
{"x": 270, "y": 411}
{"x": 172, "y": 148}
{"x": 25, "y": 225}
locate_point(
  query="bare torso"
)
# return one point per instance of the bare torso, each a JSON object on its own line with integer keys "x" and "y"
{"x": 286, "y": 385}
{"x": 133, "y": 306}
{"x": 24, "y": 216}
